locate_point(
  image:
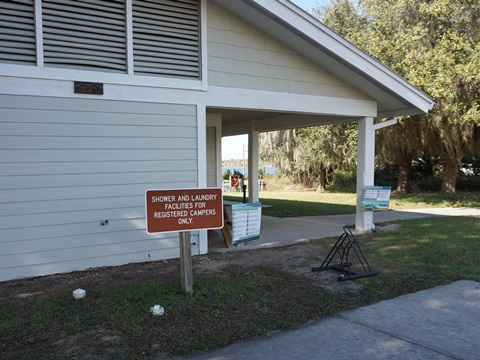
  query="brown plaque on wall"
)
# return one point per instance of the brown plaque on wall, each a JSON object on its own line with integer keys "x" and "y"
{"x": 89, "y": 88}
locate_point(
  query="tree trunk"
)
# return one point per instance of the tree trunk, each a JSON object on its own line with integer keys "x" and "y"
{"x": 450, "y": 172}
{"x": 322, "y": 178}
{"x": 404, "y": 167}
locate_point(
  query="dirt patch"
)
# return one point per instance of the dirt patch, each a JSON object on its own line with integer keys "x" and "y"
{"x": 295, "y": 259}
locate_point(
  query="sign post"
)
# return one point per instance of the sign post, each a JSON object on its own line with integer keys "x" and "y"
{"x": 186, "y": 266}
{"x": 184, "y": 210}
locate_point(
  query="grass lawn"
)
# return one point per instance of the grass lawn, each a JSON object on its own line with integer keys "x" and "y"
{"x": 313, "y": 203}
{"x": 234, "y": 303}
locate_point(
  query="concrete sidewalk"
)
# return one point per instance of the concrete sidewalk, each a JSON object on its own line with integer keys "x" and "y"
{"x": 439, "y": 323}
{"x": 287, "y": 231}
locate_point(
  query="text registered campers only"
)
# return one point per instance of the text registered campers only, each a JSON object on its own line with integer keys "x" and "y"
{"x": 184, "y": 209}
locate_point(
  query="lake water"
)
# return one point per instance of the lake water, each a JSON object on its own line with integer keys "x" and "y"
{"x": 269, "y": 170}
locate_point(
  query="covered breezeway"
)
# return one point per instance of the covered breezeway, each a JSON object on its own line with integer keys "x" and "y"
{"x": 352, "y": 87}
{"x": 238, "y": 122}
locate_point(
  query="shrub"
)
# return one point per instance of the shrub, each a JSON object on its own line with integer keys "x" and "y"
{"x": 343, "y": 181}
{"x": 468, "y": 183}
{"x": 429, "y": 183}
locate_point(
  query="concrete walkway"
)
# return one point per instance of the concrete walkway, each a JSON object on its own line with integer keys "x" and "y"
{"x": 439, "y": 323}
{"x": 287, "y": 231}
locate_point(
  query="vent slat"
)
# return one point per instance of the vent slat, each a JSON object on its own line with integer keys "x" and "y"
{"x": 91, "y": 34}
{"x": 85, "y": 34}
{"x": 17, "y": 31}
{"x": 166, "y": 38}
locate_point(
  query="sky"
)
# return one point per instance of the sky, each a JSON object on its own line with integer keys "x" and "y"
{"x": 232, "y": 146}
{"x": 308, "y": 5}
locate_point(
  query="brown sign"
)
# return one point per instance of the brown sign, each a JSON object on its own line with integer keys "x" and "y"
{"x": 89, "y": 88}
{"x": 184, "y": 210}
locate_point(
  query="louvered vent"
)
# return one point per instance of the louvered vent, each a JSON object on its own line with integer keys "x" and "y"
{"x": 85, "y": 34}
{"x": 17, "y": 32}
{"x": 166, "y": 38}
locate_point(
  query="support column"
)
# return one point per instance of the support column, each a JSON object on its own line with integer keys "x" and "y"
{"x": 365, "y": 171}
{"x": 202, "y": 167}
{"x": 253, "y": 191}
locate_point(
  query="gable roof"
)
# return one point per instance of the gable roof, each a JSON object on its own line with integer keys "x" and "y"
{"x": 311, "y": 38}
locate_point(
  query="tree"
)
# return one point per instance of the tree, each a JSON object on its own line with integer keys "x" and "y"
{"x": 400, "y": 144}
{"x": 344, "y": 17}
{"x": 277, "y": 148}
{"x": 435, "y": 46}
{"x": 324, "y": 148}
{"x": 305, "y": 155}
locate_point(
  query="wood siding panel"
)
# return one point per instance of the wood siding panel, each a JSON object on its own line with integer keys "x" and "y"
{"x": 73, "y": 242}
{"x": 72, "y": 265}
{"x": 91, "y": 155}
{"x": 82, "y": 117}
{"x": 79, "y": 143}
{"x": 241, "y": 56}
{"x": 68, "y": 164}
{"x": 105, "y": 167}
{"x": 49, "y": 194}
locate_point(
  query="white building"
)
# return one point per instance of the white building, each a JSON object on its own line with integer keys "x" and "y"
{"x": 101, "y": 100}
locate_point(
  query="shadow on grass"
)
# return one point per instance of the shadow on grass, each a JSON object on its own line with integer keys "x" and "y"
{"x": 290, "y": 208}
{"x": 438, "y": 200}
{"x": 446, "y": 247}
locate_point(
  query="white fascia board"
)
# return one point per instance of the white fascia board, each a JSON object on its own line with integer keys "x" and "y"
{"x": 65, "y": 89}
{"x": 215, "y": 97}
{"x": 237, "y": 98}
{"x": 319, "y": 35}
{"x": 50, "y": 73}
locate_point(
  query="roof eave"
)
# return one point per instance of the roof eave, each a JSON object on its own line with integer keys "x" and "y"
{"x": 348, "y": 57}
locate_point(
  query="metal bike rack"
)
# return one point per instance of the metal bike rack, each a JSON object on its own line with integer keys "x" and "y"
{"x": 345, "y": 247}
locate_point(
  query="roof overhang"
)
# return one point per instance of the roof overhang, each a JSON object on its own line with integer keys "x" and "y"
{"x": 297, "y": 29}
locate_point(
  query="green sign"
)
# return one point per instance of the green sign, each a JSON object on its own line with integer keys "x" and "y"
{"x": 376, "y": 197}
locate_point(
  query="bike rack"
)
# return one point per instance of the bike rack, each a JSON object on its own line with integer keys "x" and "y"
{"x": 344, "y": 245}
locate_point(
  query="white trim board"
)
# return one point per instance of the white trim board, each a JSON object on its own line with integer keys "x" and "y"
{"x": 220, "y": 97}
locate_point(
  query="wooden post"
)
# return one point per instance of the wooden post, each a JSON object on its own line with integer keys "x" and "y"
{"x": 210, "y": 200}
{"x": 186, "y": 271}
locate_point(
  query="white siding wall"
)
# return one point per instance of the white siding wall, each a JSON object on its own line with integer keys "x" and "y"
{"x": 240, "y": 56}
{"x": 67, "y": 164}
{"x": 211, "y": 157}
